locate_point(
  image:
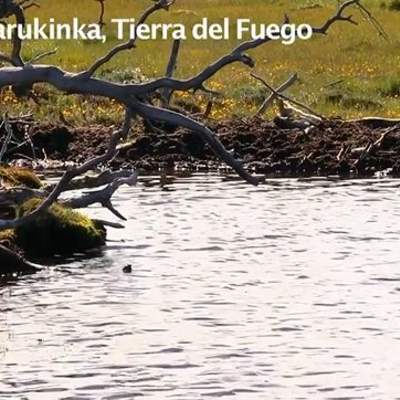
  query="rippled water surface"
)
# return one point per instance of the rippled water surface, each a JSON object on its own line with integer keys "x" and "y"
{"x": 286, "y": 291}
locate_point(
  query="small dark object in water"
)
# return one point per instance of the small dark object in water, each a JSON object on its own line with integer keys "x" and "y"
{"x": 303, "y": 277}
{"x": 127, "y": 269}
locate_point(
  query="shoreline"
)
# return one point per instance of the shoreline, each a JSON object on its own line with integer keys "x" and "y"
{"x": 348, "y": 149}
{"x": 333, "y": 148}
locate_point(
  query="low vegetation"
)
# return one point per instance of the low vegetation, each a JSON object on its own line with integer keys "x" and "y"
{"x": 390, "y": 87}
{"x": 394, "y": 5}
{"x": 358, "y": 58}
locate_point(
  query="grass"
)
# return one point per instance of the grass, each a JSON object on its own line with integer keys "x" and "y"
{"x": 366, "y": 65}
{"x": 394, "y": 5}
{"x": 390, "y": 87}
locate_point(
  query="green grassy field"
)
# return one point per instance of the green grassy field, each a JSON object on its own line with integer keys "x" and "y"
{"x": 367, "y": 66}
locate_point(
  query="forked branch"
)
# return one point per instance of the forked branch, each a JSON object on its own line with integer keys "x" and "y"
{"x": 130, "y": 44}
{"x": 72, "y": 173}
{"x": 135, "y": 97}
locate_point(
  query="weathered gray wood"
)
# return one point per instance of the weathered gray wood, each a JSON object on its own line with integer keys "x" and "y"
{"x": 171, "y": 67}
{"x": 269, "y": 100}
{"x": 23, "y": 76}
{"x": 289, "y": 99}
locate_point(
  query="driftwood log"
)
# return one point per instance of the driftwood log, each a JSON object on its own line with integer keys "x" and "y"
{"x": 138, "y": 99}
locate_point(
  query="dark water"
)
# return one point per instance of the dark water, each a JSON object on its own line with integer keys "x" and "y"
{"x": 287, "y": 291}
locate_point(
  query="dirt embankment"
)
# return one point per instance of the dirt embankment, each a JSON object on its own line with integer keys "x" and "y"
{"x": 333, "y": 147}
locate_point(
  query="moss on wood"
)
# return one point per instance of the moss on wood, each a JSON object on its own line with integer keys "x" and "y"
{"x": 15, "y": 176}
{"x": 59, "y": 230}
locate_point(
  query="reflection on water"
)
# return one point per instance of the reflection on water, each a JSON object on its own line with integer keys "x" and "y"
{"x": 286, "y": 291}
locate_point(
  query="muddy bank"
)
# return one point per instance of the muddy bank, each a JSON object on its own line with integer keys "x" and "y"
{"x": 334, "y": 147}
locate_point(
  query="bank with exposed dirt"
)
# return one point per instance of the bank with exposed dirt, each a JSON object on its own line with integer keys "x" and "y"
{"x": 333, "y": 147}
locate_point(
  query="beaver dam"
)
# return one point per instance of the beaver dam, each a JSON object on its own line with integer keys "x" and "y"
{"x": 332, "y": 147}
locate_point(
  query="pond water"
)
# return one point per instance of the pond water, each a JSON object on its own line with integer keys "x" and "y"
{"x": 286, "y": 291}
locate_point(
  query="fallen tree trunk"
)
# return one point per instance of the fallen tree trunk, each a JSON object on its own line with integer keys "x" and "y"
{"x": 137, "y": 99}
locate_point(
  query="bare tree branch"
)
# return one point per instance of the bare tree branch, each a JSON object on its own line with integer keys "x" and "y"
{"x": 155, "y": 113}
{"x": 289, "y": 99}
{"x": 102, "y": 12}
{"x": 286, "y": 85}
{"x": 8, "y": 137}
{"x": 104, "y": 196}
{"x": 40, "y": 56}
{"x": 135, "y": 97}
{"x": 339, "y": 16}
{"x": 373, "y": 21}
{"x": 72, "y": 173}
{"x": 130, "y": 44}
{"x": 171, "y": 67}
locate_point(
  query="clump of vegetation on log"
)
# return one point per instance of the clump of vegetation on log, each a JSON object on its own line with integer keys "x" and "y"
{"x": 58, "y": 230}
{"x": 15, "y": 176}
